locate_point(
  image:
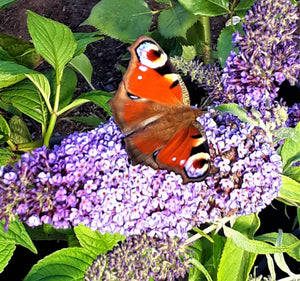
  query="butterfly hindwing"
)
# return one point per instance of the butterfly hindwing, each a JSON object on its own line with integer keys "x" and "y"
{"x": 152, "y": 109}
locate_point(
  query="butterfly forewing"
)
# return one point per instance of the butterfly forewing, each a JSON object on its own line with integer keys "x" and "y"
{"x": 152, "y": 109}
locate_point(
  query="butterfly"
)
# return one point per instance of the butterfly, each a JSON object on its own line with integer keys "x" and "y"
{"x": 152, "y": 109}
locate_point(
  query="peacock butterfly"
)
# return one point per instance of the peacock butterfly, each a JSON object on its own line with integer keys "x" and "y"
{"x": 152, "y": 108}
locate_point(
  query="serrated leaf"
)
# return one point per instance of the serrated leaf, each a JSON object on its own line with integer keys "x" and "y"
{"x": 95, "y": 242}
{"x": 19, "y": 72}
{"x": 26, "y": 98}
{"x": 6, "y": 252}
{"x": 6, "y": 156}
{"x": 290, "y": 189}
{"x": 54, "y": 41}
{"x": 16, "y": 234}
{"x": 19, "y": 51}
{"x": 82, "y": 65}
{"x": 175, "y": 21}
{"x": 19, "y": 131}
{"x": 66, "y": 264}
{"x": 125, "y": 20}
{"x": 209, "y": 8}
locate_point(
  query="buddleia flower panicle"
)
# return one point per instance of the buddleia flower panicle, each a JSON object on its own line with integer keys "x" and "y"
{"x": 267, "y": 56}
{"x": 140, "y": 257}
{"x": 88, "y": 179}
{"x": 206, "y": 76}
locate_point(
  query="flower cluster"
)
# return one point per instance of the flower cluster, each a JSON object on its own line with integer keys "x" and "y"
{"x": 206, "y": 76}
{"x": 139, "y": 258}
{"x": 88, "y": 179}
{"x": 294, "y": 115}
{"x": 268, "y": 55}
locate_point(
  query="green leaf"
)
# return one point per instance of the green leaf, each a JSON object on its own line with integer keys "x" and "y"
{"x": 249, "y": 245}
{"x": 26, "y": 98}
{"x": 201, "y": 269}
{"x": 19, "y": 131}
{"x": 209, "y": 8}
{"x": 293, "y": 173}
{"x": 287, "y": 132}
{"x": 6, "y": 249}
{"x": 238, "y": 111}
{"x": 96, "y": 243}
{"x": 68, "y": 86}
{"x": 82, "y": 65}
{"x": 98, "y": 97}
{"x": 19, "y": 72}
{"x": 6, "y": 156}
{"x": 66, "y": 264}
{"x": 175, "y": 21}
{"x": 19, "y": 51}
{"x": 92, "y": 121}
{"x": 290, "y": 151}
{"x": 4, "y": 128}
{"x": 238, "y": 268}
{"x": 54, "y": 41}
{"x": 290, "y": 189}
{"x": 225, "y": 45}
{"x": 125, "y": 20}
{"x": 243, "y": 6}
{"x": 294, "y": 251}
{"x": 6, "y": 3}
{"x": 287, "y": 238}
{"x": 83, "y": 39}
{"x": 16, "y": 234}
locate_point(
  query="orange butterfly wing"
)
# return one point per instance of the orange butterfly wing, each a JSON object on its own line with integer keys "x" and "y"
{"x": 152, "y": 109}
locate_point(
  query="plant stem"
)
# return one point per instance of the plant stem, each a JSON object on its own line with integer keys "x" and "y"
{"x": 55, "y": 109}
{"x": 206, "y": 40}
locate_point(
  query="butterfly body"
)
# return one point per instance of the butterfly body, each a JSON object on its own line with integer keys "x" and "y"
{"x": 152, "y": 109}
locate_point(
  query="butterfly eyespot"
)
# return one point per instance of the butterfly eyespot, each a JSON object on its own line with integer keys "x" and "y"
{"x": 197, "y": 165}
{"x": 150, "y": 55}
{"x": 153, "y": 55}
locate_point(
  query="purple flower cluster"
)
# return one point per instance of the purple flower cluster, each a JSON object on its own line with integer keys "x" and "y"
{"x": 268, "y": 55}
{"x": 294, "y": 115}
{"x": 141, "y": 257}
{"x": 88, "y": 179}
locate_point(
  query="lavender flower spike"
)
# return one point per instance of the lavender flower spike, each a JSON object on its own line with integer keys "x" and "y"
{"x": 88, "y": 179}
{"x": 267, "y": 56}
{"x": 140, "y": 257}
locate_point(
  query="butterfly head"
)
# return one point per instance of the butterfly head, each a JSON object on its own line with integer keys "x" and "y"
{"x": 151, "y": 55}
